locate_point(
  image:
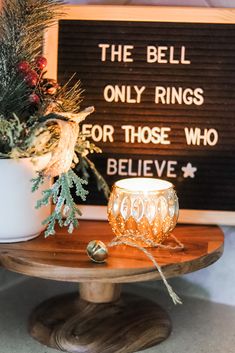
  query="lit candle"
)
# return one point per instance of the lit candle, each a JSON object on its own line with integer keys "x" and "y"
{"x": 144, "y": 210}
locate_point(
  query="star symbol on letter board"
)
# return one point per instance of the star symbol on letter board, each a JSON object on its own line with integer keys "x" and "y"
{"x": 189, "y": 171}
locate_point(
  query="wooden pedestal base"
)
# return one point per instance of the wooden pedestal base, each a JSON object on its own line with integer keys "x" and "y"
{"x": 100, "y": 321}
{"x": 72, "y": 324}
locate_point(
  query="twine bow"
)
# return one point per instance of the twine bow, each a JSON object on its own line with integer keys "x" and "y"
{"x": 63, "y": 153}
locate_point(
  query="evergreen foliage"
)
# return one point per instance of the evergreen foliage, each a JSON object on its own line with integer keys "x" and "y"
{"x": 22, "y": 24}
{"x": 65, "y": 211}
{"x": 30, "y": 104}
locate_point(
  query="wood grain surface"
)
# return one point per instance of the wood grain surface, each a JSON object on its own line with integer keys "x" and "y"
{"x": 63, "y": 256}
{"x": 99, "y": 320}
{"x": 74, "y": 325}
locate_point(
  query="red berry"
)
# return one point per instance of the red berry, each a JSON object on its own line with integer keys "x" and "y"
{"x": 41, "y": 62}
{"x": 31, "y": 78}
{"x": 34, "y": 99}
{"x": 23, "y": 66}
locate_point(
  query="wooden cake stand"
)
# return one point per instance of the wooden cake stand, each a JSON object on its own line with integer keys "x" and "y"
{"x": 100, "y": 320}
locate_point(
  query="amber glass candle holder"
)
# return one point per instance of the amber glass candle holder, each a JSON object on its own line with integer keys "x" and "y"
{"x": 142, "y": 209}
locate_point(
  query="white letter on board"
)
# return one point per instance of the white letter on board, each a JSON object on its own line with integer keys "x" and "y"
{"x": 199, "y": 99}
{"x": 183, "y": 60}
{"x": 108, "y": 131}
{"x": 159, "y": 167}
{"x": 103, "y": 51}
{"x": 139, "y": 91}
{"x": 127, "y": 53}
{"x": 160, "y": 93}
{"x": 171, "y": 169}
{"x": 172, "y": 60}
{"x": 147, "y": 164}
{"x": 151, "y": 54}
{"x": 116, "y": 52}
{"x": 111, "y": 166}
{"x": 109, "y": 93}
{"x": 162, "y": 55}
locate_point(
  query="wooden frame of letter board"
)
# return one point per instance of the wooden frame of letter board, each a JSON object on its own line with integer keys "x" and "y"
{"x": 146, "y": 14}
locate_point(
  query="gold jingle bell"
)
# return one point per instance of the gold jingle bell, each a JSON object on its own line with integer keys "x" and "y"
{"x": 97, "y": 251}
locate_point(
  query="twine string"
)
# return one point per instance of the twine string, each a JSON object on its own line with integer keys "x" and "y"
{"x": 124, "y": 240}
{"x": 63, "y": 154}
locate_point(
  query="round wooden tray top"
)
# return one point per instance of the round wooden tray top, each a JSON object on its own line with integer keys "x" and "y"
{"x": 100, "y": 320}
{"x": 63, "y": 256}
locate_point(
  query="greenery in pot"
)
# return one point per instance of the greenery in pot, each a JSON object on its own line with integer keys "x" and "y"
{"x": 38, "y": 115}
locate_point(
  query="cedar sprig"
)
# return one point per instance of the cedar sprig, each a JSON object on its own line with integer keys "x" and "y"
{"x": 37, "y": 181}
{"x": 65, "y": 212}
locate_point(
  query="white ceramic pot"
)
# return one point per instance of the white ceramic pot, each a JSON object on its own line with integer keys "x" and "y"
{"x": 19, "y": 219}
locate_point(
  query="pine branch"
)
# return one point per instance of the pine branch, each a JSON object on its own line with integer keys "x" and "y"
{"x": 22, "y": 23}
{"x": 70, "y": 96}
{"x": 66, "y": 211}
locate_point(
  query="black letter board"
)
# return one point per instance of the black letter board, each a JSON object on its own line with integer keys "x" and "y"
{"x": 162, "y": 81}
